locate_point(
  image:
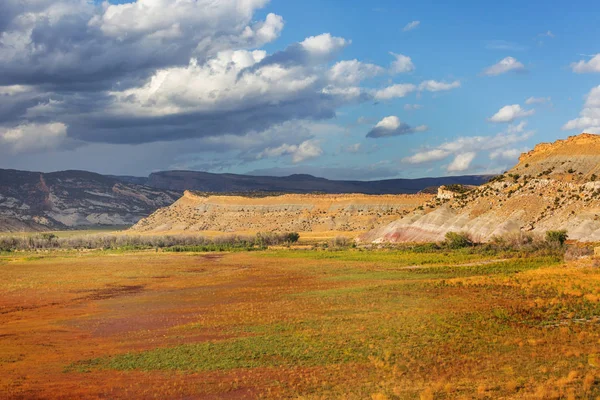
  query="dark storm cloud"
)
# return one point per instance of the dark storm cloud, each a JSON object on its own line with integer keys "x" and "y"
{"x": 133, "y": 130}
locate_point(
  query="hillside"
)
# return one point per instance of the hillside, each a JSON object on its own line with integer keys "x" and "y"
{"x": 71, "y": 199}
{"x": 289, "y": 212}
{"x": 223, "y": 183}
{"x": 554, "y": 186}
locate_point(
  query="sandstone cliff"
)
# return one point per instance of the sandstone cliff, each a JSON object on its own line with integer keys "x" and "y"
{"x": 283, "y": 213}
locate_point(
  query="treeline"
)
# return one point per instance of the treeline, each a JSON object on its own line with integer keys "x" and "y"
{"x": 47, "y": 241}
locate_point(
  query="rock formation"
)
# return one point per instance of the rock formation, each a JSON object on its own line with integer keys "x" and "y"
{"x": 554, "y": 186}
{"x": 282, "y": 213}
{"x": 73, "y": 199}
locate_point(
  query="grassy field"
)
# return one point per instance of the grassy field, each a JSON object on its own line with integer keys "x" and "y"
{"x": 298, "y": 324}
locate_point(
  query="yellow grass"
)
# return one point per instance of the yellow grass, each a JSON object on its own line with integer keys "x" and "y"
{"x": 297, "y": 324}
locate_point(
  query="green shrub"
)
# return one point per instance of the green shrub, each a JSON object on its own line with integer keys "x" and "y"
{"x": 292, "y": 237}
{"x": 557, "y": 237}
{"x": 459, "y": 240}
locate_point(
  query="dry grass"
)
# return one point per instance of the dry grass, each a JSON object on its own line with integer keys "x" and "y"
{"x": 297, "y": 324}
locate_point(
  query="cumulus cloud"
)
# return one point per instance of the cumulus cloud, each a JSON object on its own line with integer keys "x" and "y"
{"x": 304, "y": 151}
{"x": 33, "y": 137}
{"x": 352, "y": 72}
{"x": 507, "y": 154}
{"x": 510, "y": 113}
{"x": 411, "y": 25}
{"x": 582, "y": 67}
{"x": 392, "y": 126}
{"x": 80, "y": 43}
{"x": 427, "y": 156}
{"x": 466, "y": 148}
{"x": 589, "y": 118}
{"x": 461, "y": 162}
{"x": 401, "y": 64}
{"x": 395, "y": 91}
{"x": 503, "y": 66}
{"x": 175, "y": 77}
{"x": 436, "y": 86}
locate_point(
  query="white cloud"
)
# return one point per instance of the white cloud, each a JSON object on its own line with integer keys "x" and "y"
{"x": 168, "y": 19}
{"x": 503, "y": 66}
{"x": 411, "y": 25}
{"x": 538, "y": 100}
{"x": 426, "y": 156}
{"x": 352, "y": 72}
{"x": 461, "y": 162}
{"x": 507, "y": 154}
{"x": 401, "y": 64}
{"x": 510, "y": 113}
{"x": 34, "y": 137}
{"x": 324, "y": 44}
{"x": 392, "y": 126}
{"x": 64, "y": 41}
{"x": 412, "y": 107}
{"x": 304, "y": 151}
{"x": 395, "y": 91}
{"x": 471, "y": 144}
{"x": 13, "y": 90}
{"x": 436, "y": 86}
{"x": 582, "y": 67}
{"x": 589, "y": 117}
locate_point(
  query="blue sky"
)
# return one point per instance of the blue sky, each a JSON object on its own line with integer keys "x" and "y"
{"x": 145, "y": 86}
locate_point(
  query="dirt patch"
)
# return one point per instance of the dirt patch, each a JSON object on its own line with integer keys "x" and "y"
{"x": 212, "y": 257}
{"x": 111, "y": 292}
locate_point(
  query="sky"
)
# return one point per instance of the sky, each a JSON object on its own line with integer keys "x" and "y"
{"x": 342, "y": 89}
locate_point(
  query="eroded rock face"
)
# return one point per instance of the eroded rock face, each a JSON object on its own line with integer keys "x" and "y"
{"x": 72, "y": 199}
{"x": 553, "y": 187}
{"x": 283, "y": 213}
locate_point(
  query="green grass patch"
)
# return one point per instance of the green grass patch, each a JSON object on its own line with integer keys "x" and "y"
{"x": 398, "y": 257}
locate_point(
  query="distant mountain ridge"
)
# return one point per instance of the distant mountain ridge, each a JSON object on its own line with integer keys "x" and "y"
{"x": 75, "y": 199}
{"x": 299, "y": 183}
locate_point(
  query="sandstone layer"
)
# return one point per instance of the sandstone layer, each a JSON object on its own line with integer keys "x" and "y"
{"x": 279, "y": 213}
{"x": 554, "y": 186}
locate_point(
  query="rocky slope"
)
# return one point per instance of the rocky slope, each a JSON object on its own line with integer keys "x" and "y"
{"x": 283, "y": 213}
{"x": 554, "y": 186}
{"x": 71, "y": 199}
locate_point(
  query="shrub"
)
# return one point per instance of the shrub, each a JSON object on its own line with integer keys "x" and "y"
{"x": 339, "y": 241}
{"x": 292, "y": 237}
{"x": 577, "y": 252}
{"x": 137, "y": 242}
{"x": 459, "y": 240}
{"x": 557, "y": 237}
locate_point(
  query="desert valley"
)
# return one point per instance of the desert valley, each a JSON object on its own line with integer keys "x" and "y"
{"x": 456, "y": 291}
{"x": 304, "y": 200}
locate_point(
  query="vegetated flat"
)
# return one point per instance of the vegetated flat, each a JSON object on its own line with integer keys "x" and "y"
{"x": 291, "y": 323}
